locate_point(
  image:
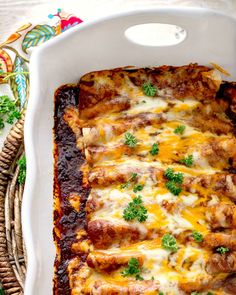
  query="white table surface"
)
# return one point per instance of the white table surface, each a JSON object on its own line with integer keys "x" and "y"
{"x": 14, "y": 13}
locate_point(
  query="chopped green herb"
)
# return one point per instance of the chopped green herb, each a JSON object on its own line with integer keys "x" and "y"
{"x": 179, "y": 129}
{"x": 139, "y": 278}
{"x": 161, "y": 293}
{"x": 130, "y": 140}
{"x": 169, "y": 173}
{"x": 1, "y": 123}
{"x": 144, "y": 101}
{"x": 154, "y": 150}
{"x": 133, "y": 269}
{"x": 132, "y": 178}
{"x": 152, "y": 278}
{"x": 135, "y": 210}
{"x": 8, "y": 111}
{"x": 222, "y": 250}
{"x": 210, "y": 293}
{"x": 175, "y": 180}
{"x": 198, "y": 237}
{"x": 188, "y": 161}
{"x": 22, "y": 170}
{"x": 14, "y": 115}
{"x": 174, "y": 188}
{"x": 149, "y": 89}
{"x": 175, "y": 177}
{"x": 169, "y": 243}
{"x": 137, "y": 188}
{"x": 124, "y": 185}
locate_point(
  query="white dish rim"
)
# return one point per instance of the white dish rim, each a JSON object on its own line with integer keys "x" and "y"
{"x": 33, "y": 103}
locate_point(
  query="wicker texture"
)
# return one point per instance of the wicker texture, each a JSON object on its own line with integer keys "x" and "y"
{"x": 12, "y": 252}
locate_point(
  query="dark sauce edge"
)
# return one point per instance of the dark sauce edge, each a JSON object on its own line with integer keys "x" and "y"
{"x": 67, "y": 180}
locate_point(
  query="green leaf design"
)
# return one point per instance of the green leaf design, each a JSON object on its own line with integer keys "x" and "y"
{"x": 19, "y": 83}
{"x": 38, "y": 35}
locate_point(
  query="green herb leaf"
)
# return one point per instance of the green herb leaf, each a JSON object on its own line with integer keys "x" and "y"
{"x": 124, "y": 185}
{"x": 137, "y": 188}
{"x": 169, "y": 173}
{"x": 175, "y": 180}
{"x": 198, "y": 237}
{"x": 12, "y": 116}
{"x": 154, "y": 150}
{"x": 1, "y": 123}
{"x": 8, "y": 111}
{"x": 210, "y": 293}
{"x": 169, "y": 243}
{"x": 22, "y": 170}
{"x": 179, "y": 129}
{"x": 135, "y": 210}
{"x": 174, "y": 188}
{"x": 188, "y": 161}
{"x": 161, "y": 293}
{"x": 149, "y": 89}
{"x": 139, "y": 278}
{"x": 133, "y": 269}
{"x": 175, "y": 177}
{"x": 130, "y": 140}
{"x": 222, "y": 250}
{"x": 132, "y": 178}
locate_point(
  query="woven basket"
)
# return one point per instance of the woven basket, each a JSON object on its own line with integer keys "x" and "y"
{"x": 12, "y": 250}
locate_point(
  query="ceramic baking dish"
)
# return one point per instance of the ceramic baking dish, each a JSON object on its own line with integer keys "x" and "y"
{"x": 96, "y": 45}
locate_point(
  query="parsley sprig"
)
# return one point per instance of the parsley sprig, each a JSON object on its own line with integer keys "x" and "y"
{"x": 173, "y": 188}
{"x": 154, "y": 150}
{"x": 138, "y": 188}
{"x": 149, "y": 89}
{"x": 8, "y": 111}
{"x": 130, "y": 140}
{"x": 22, "y": 170}
{"x": 174, "y": 181}
{"x": 222, "y": 250}
{"x": 132, "y": 178}
{"x": 179, "y": 129}
{"x": 135, "y": 210}
{"x": 198, "y": 237}
{"x": 133, "y": 269}
{"x": 175, "y": 177}
{"x": 169, "y": 243}
{"x": 188, "y": 161}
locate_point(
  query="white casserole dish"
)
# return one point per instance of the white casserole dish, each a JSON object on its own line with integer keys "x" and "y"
{"x": 101, "y": 44}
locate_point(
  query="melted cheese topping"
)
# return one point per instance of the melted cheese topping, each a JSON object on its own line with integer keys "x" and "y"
{"x": 167, "y": 213}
